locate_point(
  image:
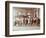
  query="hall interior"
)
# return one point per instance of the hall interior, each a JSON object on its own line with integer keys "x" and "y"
{"x": 27, "y": 16}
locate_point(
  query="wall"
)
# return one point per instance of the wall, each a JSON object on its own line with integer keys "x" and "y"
{"x": 2, "y": 19}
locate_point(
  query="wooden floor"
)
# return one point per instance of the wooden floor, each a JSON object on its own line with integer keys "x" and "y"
{"x": 22, "y": 28}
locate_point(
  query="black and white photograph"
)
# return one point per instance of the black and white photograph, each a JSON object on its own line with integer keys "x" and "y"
{"x": 26, "y": 18}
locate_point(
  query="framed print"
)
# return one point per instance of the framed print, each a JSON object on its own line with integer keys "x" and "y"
{"x": 24, "y": 18}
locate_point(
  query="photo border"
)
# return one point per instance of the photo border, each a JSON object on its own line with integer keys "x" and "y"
{"x": 7, "y": 18}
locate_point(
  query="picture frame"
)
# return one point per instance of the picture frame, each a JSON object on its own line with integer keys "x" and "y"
{"x": 23, "y": 10}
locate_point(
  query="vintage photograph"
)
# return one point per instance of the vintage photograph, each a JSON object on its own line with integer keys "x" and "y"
{"x": 26, "y": 19}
